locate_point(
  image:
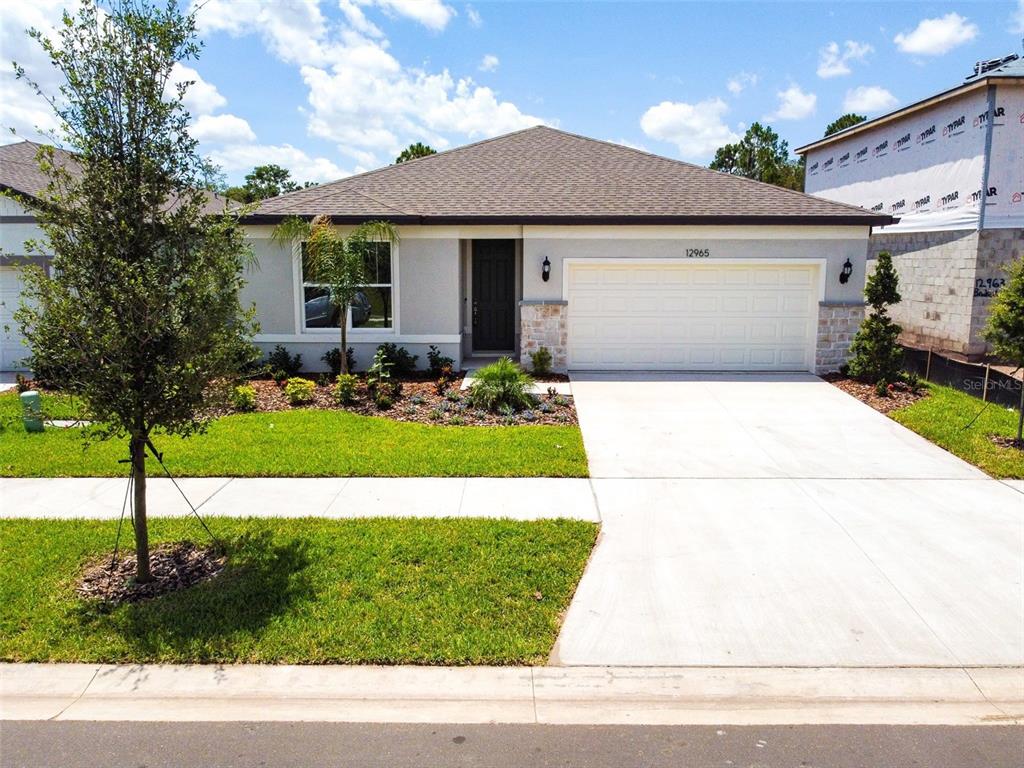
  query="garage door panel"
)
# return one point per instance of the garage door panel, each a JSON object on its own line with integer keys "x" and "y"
{"x": 688, "y": 316}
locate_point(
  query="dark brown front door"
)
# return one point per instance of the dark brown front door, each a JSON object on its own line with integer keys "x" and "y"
{"x": 494, "y": 289}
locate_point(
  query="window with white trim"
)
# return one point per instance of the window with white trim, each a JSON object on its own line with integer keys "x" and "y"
{"x": 373, "y": 307}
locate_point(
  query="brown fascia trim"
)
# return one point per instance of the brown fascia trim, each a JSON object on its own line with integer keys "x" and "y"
{"x": 852, "y": 219}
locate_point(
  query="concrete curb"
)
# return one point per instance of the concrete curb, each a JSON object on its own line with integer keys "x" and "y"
{"x": 552, "y": 695}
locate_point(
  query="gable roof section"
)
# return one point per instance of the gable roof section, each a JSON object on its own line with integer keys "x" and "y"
{"x": 19, "y": 172}
{"x": 545, "y": 176}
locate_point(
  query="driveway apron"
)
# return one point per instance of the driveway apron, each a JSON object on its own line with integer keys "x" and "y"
{"x": 773, "y": 520}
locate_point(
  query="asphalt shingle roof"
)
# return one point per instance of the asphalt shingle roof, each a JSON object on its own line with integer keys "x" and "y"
{"x": 20, "y": 172}
{"x": 543, "y": 175}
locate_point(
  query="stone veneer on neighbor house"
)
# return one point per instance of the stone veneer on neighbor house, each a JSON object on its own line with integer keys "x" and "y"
{"x": 544, "y": 324}
{"x": 837, "y": 324}
{"x": 947, "y": 280}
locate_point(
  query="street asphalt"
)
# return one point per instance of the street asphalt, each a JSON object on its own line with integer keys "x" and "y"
{"x": 311, "y": 745}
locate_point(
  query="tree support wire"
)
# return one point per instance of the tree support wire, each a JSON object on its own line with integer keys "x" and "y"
{"x": 128, "y": 503}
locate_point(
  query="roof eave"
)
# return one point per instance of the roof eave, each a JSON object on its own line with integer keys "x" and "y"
{"x": 851, "y": 219}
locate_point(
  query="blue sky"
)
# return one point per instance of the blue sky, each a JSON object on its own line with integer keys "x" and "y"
{"x": 334, "y": 87}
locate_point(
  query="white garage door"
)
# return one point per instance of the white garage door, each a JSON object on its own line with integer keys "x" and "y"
{"x": 11, "y": 348}
{"x": 697, "y": 316}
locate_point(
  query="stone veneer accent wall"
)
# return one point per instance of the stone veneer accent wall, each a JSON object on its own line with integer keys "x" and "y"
{"x": 939, "y": 272}
{"x": 544, "y": 324}
{"x": 837, "y": 325}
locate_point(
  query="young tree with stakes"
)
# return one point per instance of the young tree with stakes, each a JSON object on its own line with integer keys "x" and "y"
{"x": 1005, "y": 328}
{"x": 336, "y": 261}
{"x": 142, "y": 312}
{"x": 875, "y": 353}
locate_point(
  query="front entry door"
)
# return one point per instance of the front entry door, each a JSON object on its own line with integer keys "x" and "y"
{"x": 494, "y": 287}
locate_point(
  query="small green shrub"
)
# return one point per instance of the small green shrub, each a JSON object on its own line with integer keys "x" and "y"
{"x": 438, "y": 362}
{"x": 299, "y": 391}
{"x": 541, "y": 360}
{"x": 333, "y": 360}
{"x": 875, "y": 352}
{"x": 502, "y": 384}
{"x": 279, "y": 376}
{"x": 453, "y": 396}
{"x": 243, "y": 398}
{"x": 457, "y": 421}
{"x": 383, "y": 402}
{"x": 379, "y": 380}
{"x": 280, "y": 360}
{"x": 402, "y": 363}
{"x": 345, "y": 388}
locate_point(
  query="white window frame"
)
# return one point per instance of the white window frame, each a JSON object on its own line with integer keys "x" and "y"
{"x": 353, "y": 334}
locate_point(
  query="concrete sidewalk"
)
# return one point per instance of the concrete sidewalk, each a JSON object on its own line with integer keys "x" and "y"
{"x": 602, "y": 695}
{"x": 341, "y": 497}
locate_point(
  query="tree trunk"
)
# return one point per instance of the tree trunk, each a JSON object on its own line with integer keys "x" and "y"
{"x": 138, "y": 450}
{"x": 344, "y": 339}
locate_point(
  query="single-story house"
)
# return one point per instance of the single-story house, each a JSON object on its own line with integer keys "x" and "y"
{"x": 611, "y": 257}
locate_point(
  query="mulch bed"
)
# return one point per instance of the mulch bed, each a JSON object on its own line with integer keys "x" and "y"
{"x": 898, "y": 395}
{"x": 419, "y": 402}
{"x": 1007, "y": 442}
{"x": 174, "y": 566}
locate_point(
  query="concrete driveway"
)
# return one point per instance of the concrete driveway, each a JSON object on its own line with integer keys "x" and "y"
{"x": 774, "y": 520}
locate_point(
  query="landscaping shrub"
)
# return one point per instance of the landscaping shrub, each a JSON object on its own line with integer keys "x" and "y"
{"x": 345, "y": 388}
{"x": 279, "y": 376}
{"x": 333, "y": 360}
{"x": 280, "y": 360}
{"x": 299, "y": 391}
{"x": 243, "y": 398}
{"x": 875, "y": 353}
{"x": 501, "y": 387}
{"x": 402, "y": 363}
{"x": 1005, "y": 328}
{"x": 381, "y": 384}
{"x": 438, "y": 363}
{"x": 541, "y": 360}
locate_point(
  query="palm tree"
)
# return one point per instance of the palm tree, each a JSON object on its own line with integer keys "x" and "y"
{"x": 335, "y": 261}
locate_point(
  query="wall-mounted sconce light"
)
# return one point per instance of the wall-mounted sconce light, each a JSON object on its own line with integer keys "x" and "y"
{"x": 545, "y": 270}
{"x": 844, "y": 276}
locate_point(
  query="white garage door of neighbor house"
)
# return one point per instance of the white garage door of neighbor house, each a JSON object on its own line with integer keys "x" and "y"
{"x": 692, "y": 316}
{"x": 11, "y": 348}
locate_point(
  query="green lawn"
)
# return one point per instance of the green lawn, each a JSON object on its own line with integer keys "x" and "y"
{"x": 378, "y": 591}
{"x": 301, "y": 443}
{"x": 942, "y": 416}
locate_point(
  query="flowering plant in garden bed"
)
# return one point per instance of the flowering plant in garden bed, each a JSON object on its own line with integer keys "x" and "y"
{"x": 418, "y": 401}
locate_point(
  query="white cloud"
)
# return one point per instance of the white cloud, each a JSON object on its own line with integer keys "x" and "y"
{"x": 630, "y": 144}
{"x": 1017, "y": 19}
{"x": 240, "y": 159}
{"x": 794, "y": 104}
{"x": 696, "y": 129}
{"x": 221, "y": 129}
{"x": 933, "y": 37}
{"x": 360, "y": 96}
{"x": 430, "y": 13}
{"x": 489, "y": 63}
{"x": 868, "y": 99}
{"x": 355, "y": 16}
{"x": 739, "y": 83}
{"x": 21, "y": 109}
{"x": 835, "y": 63}
{"x": 201, "y": 98}
{"x": 474, "y": 16}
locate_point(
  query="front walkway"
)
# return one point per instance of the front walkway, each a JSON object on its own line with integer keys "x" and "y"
{"x": 775, "y": 520}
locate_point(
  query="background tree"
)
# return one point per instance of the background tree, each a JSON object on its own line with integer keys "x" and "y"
{"x": 875, "y": 353}
{"x": 1005, "y": 328}
{"x": 265, "y": 181}
{"x": 842, "y": 123}
{"x": 335, "y": 261}
{"x": 415, "y": 150}
{"x": 763, "y": 156}
{"x": 142, "y": 313}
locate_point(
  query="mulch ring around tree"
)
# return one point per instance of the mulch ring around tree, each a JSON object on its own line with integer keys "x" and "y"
{"x": 898, "y": 395}
{"x": 177, "y": 565}
{"x": 420, "y": 401}
{"x": 1007, "y": 442}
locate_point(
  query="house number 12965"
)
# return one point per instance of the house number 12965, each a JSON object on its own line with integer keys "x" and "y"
{"x": 698, "y": 253}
